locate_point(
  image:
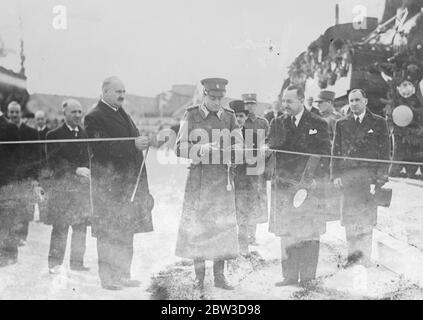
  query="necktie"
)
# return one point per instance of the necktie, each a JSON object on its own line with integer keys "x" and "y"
{"x": 75, "y": 133}
{"x": 357, "y": 121}
{"x": 293, "y": 122}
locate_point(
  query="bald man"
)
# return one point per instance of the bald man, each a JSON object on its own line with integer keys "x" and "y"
{"x": 115, "y": 169}
{"x": 69, "y": 202}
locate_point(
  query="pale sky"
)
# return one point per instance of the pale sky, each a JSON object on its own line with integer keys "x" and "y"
{"x": 153, "y": 44}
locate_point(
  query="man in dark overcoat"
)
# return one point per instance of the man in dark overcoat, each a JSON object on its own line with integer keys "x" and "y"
{"x": 299, "y": 227}
{"x": 8, "y": 160}
{"x": 28, "y": 165}
{"x": 208, "y": 225}
{"x": 361, "y": 134}
{"x": 68, "y": 190}
{"x": 115, "y": 168}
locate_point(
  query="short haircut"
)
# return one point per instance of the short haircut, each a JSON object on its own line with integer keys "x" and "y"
{"x": 108, "y": 81}
{"x": 12, "y": 104}
{"x": 66, "y": 102}
{"x": 300, "y": 91}
{"x": 38, "y": 112}
{"x": 363, "y": 93}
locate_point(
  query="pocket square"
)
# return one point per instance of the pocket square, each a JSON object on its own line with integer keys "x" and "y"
{"x": 371, "y": 131}
{"x": 312, "y": 131}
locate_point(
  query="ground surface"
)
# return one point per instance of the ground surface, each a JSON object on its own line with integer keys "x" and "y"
{"x": 165, "y": 276}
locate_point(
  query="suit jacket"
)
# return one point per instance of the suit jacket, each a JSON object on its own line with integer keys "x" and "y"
{"x": 370, "y": 139}
{"x": 68, "y": 194}
{"x": 310, "y": 136}
{"x": 65, "y": 158}
{"x": 115, "y": 169}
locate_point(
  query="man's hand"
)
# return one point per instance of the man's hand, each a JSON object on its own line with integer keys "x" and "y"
{"x": 338, "y": 183}
{"x": 142, "y": 143}
{"x": 207, "y": 148}
{"x": 83, "y": 172}
{"x": 380, "y": 181}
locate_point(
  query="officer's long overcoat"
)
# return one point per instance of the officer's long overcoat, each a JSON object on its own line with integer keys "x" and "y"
{"x": 208, "y": 226}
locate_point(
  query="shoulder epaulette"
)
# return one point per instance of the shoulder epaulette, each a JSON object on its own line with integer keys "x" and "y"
{"x": 193, "y": 107}
{"x": 229, "y": 110}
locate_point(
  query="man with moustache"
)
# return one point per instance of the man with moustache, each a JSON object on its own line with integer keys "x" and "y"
{"x": 208, "y": 226}
{"x": 115, "y": 167}
{"x": 258, "y": 127}
{"x": 325, "y": 103}
{"x": 298, "y": 227}
{"x": 69, "y": 193}
{"x": 361, "y": 134}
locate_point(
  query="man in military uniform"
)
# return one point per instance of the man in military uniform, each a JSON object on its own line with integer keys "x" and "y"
{"x": 208, "y": 226}
{"x": 244, "y": 189}
{"x": 257, "y": 128}
{"x": 300, "y": 226}
{"x": 325, "y": 103}
{"x": 361, "y": 134}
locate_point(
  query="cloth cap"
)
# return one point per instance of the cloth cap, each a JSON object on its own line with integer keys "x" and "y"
{"x": 238, "y": 106}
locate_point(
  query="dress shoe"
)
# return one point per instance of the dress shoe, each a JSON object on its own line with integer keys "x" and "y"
{"x": 307, "y": 284}
{"x": 55, "y": 270}
{"x": 222, "y": 284}
{"x": 4, "y": 262}
{"x": 353, "y": 258}
{"x": 112, "y": 286}
{"x": 286, "y": 282}
{"x": 130, "y": 283}
{"x": 79, "y": 268}
{"x": 199, "y": 284}
{"x": 21, "y": 243}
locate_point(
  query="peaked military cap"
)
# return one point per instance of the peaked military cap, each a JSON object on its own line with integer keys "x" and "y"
{"x": 218, "y": 85}
{"x": 249, "y": 98}
{"x": 325, "y": 95}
